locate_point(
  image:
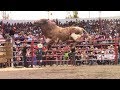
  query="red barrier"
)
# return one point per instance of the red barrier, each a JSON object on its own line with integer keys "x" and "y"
{"x": 115, "y": 44}
{"x": 116, "y": 51}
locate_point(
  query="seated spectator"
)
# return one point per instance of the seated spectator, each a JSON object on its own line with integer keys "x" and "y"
{"x": 18, "y": 43}
{"x": 2, "y": 40}
{"x": 29, "y": 37}
{"x": 28, "y": 56}
{"x": 16, "y": 36}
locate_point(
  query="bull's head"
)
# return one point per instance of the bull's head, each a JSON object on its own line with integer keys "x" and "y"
{"x": 41, "y": 22}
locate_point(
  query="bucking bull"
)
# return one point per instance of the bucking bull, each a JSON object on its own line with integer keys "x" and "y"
{"x": 54, "y": 33}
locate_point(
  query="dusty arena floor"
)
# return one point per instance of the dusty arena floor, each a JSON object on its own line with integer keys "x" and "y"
{"x": 63, "y": 72}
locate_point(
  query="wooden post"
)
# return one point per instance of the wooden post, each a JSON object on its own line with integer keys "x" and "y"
{"x": 116, "y": 51}
{"x": 9, "y": 52}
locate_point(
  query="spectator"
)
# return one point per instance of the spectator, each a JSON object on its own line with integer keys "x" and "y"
{"x": 34, "y": 56}
{"x": 40, "y": 51}
{"x": 66, "y": 56}
{"x": 12, "y": 32}
{"x": 28, "y": 55}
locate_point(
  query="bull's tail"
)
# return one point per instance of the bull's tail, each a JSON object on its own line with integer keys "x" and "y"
{"x": 86, "y": 31}
{"x": 82, "y": 30}
{"x": 89, "y": 36}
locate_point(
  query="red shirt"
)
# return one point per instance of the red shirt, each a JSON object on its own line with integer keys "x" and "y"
{"x": 66, "y": 48}
{"x": 44, "y": 48}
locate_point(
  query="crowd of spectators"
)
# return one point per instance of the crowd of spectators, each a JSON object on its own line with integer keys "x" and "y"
{"x": 26, "y": 32}
{"x": 106, "y": 27}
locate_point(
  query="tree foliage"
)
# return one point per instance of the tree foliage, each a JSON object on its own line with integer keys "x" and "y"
{"x": 74, "y": 14}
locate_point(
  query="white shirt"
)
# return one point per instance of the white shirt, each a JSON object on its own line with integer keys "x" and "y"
{"x": 29, "y": 38}
{"x": 1, "y": 36}
{"x": 16, "y": 35}
{"x": 109, "y": 56}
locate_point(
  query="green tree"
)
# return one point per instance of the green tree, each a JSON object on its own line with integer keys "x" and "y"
{"x": 75, "y": 14}
{"x": 68, "y": 15}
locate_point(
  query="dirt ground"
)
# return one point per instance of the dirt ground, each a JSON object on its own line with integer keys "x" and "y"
{"x": 63, "y": 72}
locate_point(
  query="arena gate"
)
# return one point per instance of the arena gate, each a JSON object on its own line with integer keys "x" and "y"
{"x": 6, "y": 54}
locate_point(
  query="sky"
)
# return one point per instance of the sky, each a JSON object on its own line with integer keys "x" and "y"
{"x": 36, "y": 15}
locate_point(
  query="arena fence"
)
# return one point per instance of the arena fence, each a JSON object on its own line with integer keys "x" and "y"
{"x": 10, "y": 57}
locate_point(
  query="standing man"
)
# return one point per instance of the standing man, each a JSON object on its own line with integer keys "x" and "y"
{"x": 73, "y": 53}
{"x": 40, "y": 46}
{"x": 24, "y": 51}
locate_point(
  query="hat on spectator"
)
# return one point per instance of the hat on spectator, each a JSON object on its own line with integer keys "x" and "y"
{"x": 40, "y": 45}
{"x": 111, "y": 46}
{"x": 14, "y": 27}
{"x": 102, "y": 52}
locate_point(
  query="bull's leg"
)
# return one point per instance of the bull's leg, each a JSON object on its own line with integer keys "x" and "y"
{"x": 57, "y": 41}
{"x": 50, "y": 44}
{"x": 76, "y": 37}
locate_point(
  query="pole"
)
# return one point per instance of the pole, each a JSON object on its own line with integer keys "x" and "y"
{"x": 116, "y": 51}
{"x": 32, "y": 47}
{"x": 89, "y": 14}
{"x": 48, "y": 14}
{"x": 99, "y": 14}
{"x": 100, "y": 30}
